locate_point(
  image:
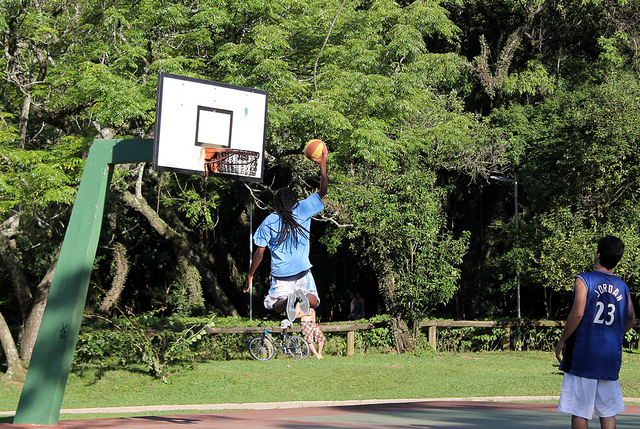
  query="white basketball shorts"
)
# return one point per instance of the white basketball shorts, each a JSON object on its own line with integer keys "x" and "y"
{"x": 581, "y": 396}
{"x": 281, "y": 288}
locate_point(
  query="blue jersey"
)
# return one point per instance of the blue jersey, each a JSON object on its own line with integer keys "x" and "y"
{"x": 292, "y": 256}
{"x": 594, "y": 350}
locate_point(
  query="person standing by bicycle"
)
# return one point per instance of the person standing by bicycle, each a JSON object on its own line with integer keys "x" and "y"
{"x": 311, "y": 331}
{"x": 286, "y": 233}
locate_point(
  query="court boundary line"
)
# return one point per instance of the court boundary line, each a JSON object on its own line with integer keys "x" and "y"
{"x": 299, "y": 404}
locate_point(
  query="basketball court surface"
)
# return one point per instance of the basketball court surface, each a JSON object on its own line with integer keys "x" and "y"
{"x": 426, "y": 414}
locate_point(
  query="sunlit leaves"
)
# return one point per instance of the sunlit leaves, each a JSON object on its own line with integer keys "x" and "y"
{"x": 399, "y": 225}
{"x": 587, "y": 143}
{"x": 532, "y": 81}
{"x": 8, "y": 129}
{"x": 198, "y": 210}
{"x": 567, "y": 247}
{"x": 580, "y": 173}
{"x": 405, "y": 41}
{"x": 32, "y": 180}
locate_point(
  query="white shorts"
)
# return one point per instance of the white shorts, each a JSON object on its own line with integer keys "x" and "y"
{"x": 581, "y": 396}
{"x": 280, "y": 288}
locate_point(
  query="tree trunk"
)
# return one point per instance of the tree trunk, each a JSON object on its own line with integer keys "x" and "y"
{"x": 483, "y": 68}
{"x": 31, "y": 305}
{"x": 15, "y": 371}
{"x": 190, "y": 250}
{"x": 18, "y": 279}
{"x": 24, "y": 120}
{"x": 401, "y": 333}
{"x": 190, "y": 278}
{"x": 31, "y": 324}
{"x": 121, "y": 272}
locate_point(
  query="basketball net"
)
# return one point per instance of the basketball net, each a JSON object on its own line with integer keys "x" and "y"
{"x": 230, "y": 161}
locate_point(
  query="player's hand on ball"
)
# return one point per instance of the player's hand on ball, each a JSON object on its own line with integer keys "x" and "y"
{"x": 315, "y": 150}
{"x": 322, "y": 160}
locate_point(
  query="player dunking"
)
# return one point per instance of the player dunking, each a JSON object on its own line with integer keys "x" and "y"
{"x": 286, "y": 233}
{"x": 591, "y": 342}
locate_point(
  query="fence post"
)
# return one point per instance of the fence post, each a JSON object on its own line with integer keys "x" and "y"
{"x": 351, "y": 336}
{"x": 433, "y": 337}
{"x": 506, "y": 338}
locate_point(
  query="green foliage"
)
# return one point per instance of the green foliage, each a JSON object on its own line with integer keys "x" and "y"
{"x": 8, "y": 130}
{"x": 196, "y": 209}
{"x": 133, "y": 342}
{"x": 587, "y": 137}
{"x": 454, "y": 339}
{"x": 534, "y": 80}
{"x": 472, "y": 339}
{"x": 397, "y": 219}
{"x": 32, "y": 180}
{"x": 567, "y": 250}
{"x": 535, "y": 338}
{"x": 375, "y": 339}
{"x": 185, "y": 296}
{"x": 631, "y": 339}
{"x": 417, "y": 111}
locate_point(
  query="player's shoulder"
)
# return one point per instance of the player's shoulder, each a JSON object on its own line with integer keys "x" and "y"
{"x": 271, "y": 219}
{"x": 312, "y": 201}
{"x": 591, "y": 275}
{"x": 596, "y": 278}
{"x": 313, "y": 197}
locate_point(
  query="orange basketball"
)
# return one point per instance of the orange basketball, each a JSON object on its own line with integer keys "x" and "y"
{"x": 313, "y": 149}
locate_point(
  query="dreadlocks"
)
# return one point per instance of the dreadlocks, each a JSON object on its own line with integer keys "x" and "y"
{"x": 284, "y": 201}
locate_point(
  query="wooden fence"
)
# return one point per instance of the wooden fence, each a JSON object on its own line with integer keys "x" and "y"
{"x": 349, "y": 328}
{"x": 432, "y": 325}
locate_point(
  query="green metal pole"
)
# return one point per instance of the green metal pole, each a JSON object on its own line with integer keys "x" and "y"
{"x": 43, "y": 391}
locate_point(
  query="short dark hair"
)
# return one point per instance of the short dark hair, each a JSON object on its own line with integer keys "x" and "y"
{"x": 611, "y": 250}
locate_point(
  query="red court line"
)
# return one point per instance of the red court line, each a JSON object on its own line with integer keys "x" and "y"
{"x": 289, "y": 418}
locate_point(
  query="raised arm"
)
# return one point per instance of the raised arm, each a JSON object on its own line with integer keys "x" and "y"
{"x": 324, "y": 178}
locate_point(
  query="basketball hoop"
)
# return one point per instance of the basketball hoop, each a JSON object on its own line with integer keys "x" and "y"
{"x": 230, "y": 161}
{"x": 195, "y": 114}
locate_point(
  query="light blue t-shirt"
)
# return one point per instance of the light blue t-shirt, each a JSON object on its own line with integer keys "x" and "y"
{"x": 289, "y": 258}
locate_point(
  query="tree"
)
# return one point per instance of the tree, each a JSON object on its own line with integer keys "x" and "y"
{"x": 560, "y": 111}
{"x": 419, "y": 103}
{"x": 378, "y": 81}
{"x": 400, "y": 229}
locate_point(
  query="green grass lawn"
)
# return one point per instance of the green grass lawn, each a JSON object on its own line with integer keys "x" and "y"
{"x": 371, "y": 376}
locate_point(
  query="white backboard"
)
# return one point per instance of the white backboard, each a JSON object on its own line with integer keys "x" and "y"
{"x": 197, "y": 115}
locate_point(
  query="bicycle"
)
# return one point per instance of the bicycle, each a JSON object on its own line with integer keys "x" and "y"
{"x": 264, "y": 346}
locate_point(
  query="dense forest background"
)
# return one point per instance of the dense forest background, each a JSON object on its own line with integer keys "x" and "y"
{"x": 420, "y": 103}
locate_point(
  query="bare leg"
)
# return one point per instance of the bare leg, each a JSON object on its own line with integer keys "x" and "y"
{"x": 320, "y": 346}
{"x": 608, "y": 422}
{"x": 279, "y": 305}
{"x": 313, "y": 301}
{"x": 579, "y": 423}
{"x": 314, "y": 351}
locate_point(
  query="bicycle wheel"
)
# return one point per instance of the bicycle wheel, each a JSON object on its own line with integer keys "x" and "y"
{"x": 261, "y": 348}
{"x": 297, "y": 347}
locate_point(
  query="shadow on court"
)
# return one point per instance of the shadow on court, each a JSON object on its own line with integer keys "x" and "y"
{"x": 430, "y": 414}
